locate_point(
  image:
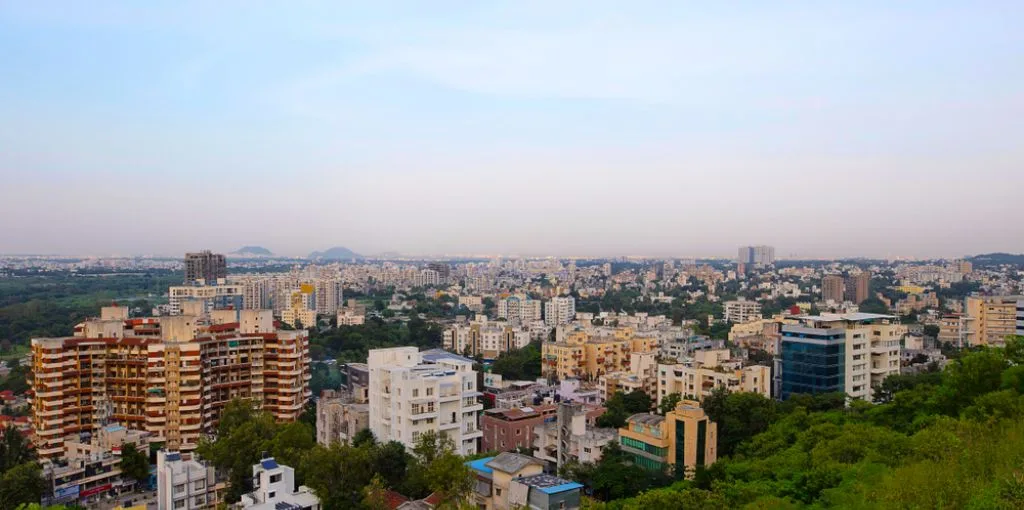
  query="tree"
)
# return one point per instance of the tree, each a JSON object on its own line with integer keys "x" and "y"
{"x": 669, "y": 403}
{"x": 740, "y": 416}
{"x": 134, "y": 464}
{"x": 14, "y": 449}
{"x": 375, "y": 495}
{"x": 364, "y": 437}
{"x": 21, "y": 484}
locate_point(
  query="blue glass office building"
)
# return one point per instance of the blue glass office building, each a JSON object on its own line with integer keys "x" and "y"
{"x": 811, "y": 360}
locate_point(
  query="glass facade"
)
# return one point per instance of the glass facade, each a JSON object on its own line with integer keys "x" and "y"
{"x": 812, "y": 362}
{"x": 702, "y": 432}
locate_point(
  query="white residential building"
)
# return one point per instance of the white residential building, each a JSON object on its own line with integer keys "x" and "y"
{"x": 519, "y": 308}
{"x": 412, "y": 392}
{"x": 274, "y": 489}
{"x": 560, "y": 310}
{"x": 211, "y": 296}
{"x": 184, "y": 483}
{"x": 741, "y": 311}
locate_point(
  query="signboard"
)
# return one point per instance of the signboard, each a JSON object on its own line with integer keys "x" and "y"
{"x": 95, "y": 490}
{"x": 66, "y": 492}
{"x": 492, "y": 380}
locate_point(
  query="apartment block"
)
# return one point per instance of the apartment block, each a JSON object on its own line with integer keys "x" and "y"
{"x": 851, "y": 353}
{"x": 988, "y": 320}
{"x": 696, "y": 378}
{"x": 742, "y": 311}
{"x": 1020, "y": 317}
{"x": 339, "y": 417}
{"x": 833, "y": 288}
{"x": 205, "y": 265}
{"x": 274, "y": 489}
{"x": 508, "y": 429}
{"x": 681, "y": 440}
{"x": 412, "y": 392}
{"x": 520, "y": 309}
{"x": 170, "y": 376}
{"x": 951, "y": 329}
{"x": 756, "y": 255}
{"x": 571, "y": 436}
{"x": 642, "y": 375}
{"x": 215, "y": 295}
{"x": 858, "y": 287}
{"x": 559, "y": 310}
{"x": 589, "y": 354}
{"x": 487, "y": 339}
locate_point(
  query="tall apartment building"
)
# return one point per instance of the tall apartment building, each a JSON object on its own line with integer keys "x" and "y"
{"x": 170, "y": 376}
{"x": 682, "y": 440}
{"x": 852, "y": 353}
{"x": 756, "y": 255}
{"x": 951, "y": 329}
{"x": 559, "y": 310}
{"x": 858, "y": 287}
{"x": 486, "y": 339}
{"x": 412, "y": 392}
{"x": 833, "y": 288}
{"x": 328, "y": 292}
{"x": 589, "y": 354}
{"x": 742, "y": 311}
{"x": 443, "y": 270}
{"x": 988, "y": 320}
{"x": 206, "y": 266}
{"x": 712, "y": 369}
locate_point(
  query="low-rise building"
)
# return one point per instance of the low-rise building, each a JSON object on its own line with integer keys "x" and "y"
{"x": 641, "y": 376}
{"x": 510, "y": 481}
{"x": 185, "y": 483}
{"x": 683, "y": 439}
{"x": 572, "y": 436}
{"x": 274, "y": 489}
{"x": 508, "y": 429}
{"x": 339, "y": 417}
{"x": 589, "y": 354}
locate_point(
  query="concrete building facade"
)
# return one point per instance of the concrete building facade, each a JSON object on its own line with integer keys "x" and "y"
{"x": 412, "y": 392}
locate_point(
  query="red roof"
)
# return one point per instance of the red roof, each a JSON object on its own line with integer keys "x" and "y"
{"x": 394, "y": 499}
{"x": 434, "y": 498}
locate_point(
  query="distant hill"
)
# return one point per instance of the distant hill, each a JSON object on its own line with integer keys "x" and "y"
{"x": 336, "y": 253}
{"x": 995, "y": 259}
{"x": 253, "y": 251}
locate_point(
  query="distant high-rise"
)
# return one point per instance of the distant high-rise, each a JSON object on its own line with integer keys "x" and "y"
{"x": 857, "y": 287}
{"x": 832, "y": 287}
{"x": 205, "y": 265}
{"x": 757, "y": 255}
{"x": 443, "y": 270}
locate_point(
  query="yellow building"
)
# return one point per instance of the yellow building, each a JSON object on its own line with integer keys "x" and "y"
{"x": 589, "y": 354}
{"x": 988, "y": 320}
{"x": 681, "y": 440}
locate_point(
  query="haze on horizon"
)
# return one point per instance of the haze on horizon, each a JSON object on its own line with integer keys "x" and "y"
{"x": 573, "y": 128}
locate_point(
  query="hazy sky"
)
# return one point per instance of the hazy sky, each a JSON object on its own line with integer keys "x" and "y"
{"x": 574, "y": 128}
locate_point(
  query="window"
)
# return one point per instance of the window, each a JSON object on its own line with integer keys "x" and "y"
{"x": 178, "y": 489}
{"x": 275, "y": 478}
{"x": 497, "y": 491}
{"x": 271, "y": 494}
{"x": 199, "y": 485}
{"x": 199, "y": 501}
{"x": 415, "y": 392}
{"x": 179, "y": 504}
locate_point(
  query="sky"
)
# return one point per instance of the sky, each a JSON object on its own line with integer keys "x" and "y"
{"x": 596, "y": 128}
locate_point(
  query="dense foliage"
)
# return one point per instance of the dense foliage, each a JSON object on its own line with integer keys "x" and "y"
{"x": 341, "y": 475}
{"x": 21, "y": 480}
{"x": 953, "y": 439}
{"x": 519, "y": 364}
{"x": 621, "y": 406}
{"x": 51, "y": 305}
{"x": 353, "y": 343}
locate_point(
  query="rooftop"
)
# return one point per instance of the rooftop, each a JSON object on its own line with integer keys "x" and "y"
{"x": 646, "y": 418}
{"x": 549, "y": 484}
{"x": 507, "y": 462}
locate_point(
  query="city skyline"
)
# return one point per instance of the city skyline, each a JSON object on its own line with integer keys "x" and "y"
{"x": 657, "y": 129}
